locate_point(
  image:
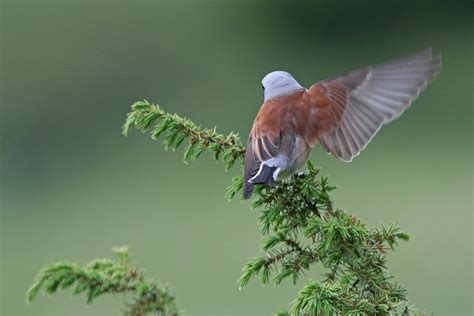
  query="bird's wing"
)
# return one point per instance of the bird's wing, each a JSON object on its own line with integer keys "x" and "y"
{"x": 260, "y": 148}
{"x": 352, "y": 108}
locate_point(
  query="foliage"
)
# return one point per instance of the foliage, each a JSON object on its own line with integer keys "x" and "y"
{"x": 302, "y": 228}
{"x": 175, "y": 130}
{"x": 106, "y": 276}
{"x": 299, "y": 223}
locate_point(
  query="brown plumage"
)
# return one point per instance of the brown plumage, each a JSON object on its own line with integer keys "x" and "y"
{"x": 342, "y": 113}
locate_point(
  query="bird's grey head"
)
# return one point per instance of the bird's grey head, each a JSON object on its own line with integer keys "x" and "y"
{"x": 279, "y": 83}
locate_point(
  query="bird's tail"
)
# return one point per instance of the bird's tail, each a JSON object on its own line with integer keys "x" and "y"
{"x": 264, "y": 176}
{"x": 248, "y": 190}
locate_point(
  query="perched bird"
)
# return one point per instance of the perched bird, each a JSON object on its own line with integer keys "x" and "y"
{"x": 343, "y": 114}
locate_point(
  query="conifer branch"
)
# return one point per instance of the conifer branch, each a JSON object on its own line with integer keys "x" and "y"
{"x": 175, "y": 130}
{"x": 106, "y": 276}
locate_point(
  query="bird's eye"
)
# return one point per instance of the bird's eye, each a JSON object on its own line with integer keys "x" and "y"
{"x": 263, "y": 87}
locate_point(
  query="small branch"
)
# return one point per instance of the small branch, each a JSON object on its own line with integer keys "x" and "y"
{"x": 175, "y": 130}
{"x": 106, "y": 276}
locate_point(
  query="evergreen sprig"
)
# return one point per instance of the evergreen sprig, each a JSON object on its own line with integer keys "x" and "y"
{"x": 175, "y": 130}
{"x": 106, "y": 276}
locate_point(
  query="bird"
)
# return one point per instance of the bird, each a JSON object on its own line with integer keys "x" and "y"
{"x": 342, "y": 114}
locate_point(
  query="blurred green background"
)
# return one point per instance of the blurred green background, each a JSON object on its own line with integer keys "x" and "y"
{"x": 72, "y": 186}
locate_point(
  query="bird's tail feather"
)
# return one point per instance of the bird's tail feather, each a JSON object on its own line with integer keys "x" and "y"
{"x": 248, "y": 190}
{"x": 264, "y": 176}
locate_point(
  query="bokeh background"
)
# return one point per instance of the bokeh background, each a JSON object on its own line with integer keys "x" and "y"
{"x": 72, "y": 186}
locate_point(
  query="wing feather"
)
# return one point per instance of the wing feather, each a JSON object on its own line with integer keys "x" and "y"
{"x": 259, "y": 149}
{"x": 366, "y": 99}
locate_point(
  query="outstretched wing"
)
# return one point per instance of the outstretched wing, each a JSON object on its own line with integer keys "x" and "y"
{"x": 353, "y": 108}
